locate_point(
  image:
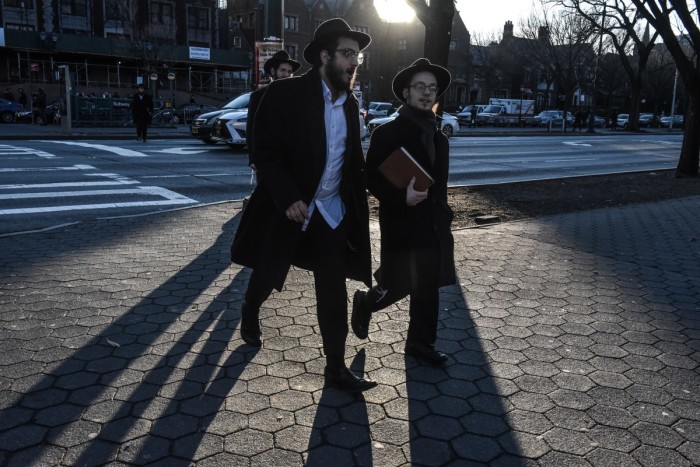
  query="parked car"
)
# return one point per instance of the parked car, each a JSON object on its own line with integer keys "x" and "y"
{"x": 464, "y": 116}
{"x": 378, "y": 109}
{"x": 25, "y": 115}
{"x": 202, "y": 125}
{"x": 8, "y": 109}
{"x": 185, "y": 113}
{"x": 622, "y": 120}
{"x": 543, "y": 118}
{"x": 647, "y": 120}
{"x": 664, "y": 122}
{"x": 229, "y": 128}
{"x": 449, "y": 124}
{"x": 490, "y": 114}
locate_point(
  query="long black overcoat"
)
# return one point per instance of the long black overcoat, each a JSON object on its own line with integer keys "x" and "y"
{"x": 253, "y": 104}
{"x": 142, "y": 109}
{"x": 405, "y": 228}
{"x": 290, "y": 156}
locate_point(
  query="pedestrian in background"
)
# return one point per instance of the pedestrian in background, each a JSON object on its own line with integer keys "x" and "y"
{"x": 279, "y": 66}
{"x": 473, "y": 114}
{"x": 141, "y": 112}
{"x": 21, "y": 97}
{"x": 40, "y": 106}
{"x": 613, "y": 120}
{"x": 309, "y": 208}
{"x": 417, "y": 248}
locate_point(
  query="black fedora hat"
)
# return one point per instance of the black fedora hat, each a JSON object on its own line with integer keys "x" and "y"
{"x": 330, "y": 29}
{"x": 276, "y": 60}
{"x": 402, "y": 79}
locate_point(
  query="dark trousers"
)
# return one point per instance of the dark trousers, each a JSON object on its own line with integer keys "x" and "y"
{"x": 321, "y": 251}
{"x": 141, "y": 127}
{"x": 424, "y": 291}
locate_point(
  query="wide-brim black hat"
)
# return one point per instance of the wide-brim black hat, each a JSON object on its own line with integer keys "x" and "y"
{"x": 330, "y": 29}
{"x": 402, "y": 79}
{"x": 276, "y": 60}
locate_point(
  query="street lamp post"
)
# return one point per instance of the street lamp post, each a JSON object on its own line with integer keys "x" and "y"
{"x": 119, "y": 78}
{"x": 520, "y": 111}
{"x": 171, "y": 78}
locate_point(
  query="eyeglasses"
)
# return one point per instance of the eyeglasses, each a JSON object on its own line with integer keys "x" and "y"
{"x": 422, "y": 87}
{"x": 350, "y": 54}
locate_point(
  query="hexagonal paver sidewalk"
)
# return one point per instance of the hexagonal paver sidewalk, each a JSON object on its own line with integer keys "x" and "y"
{"x": 573, "y": 340}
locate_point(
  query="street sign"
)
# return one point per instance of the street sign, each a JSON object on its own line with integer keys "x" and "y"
{"x": 154, "y": 77}
{"x": 33, "y": 67}
{"x": 171, "y": 76}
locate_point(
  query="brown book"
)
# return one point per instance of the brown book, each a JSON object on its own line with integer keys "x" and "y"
{"x": 400, "y": 166}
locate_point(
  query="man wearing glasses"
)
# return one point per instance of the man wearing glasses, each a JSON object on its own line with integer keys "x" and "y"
{"x": 417, "y": 248}
{"x": 309, "y": 208}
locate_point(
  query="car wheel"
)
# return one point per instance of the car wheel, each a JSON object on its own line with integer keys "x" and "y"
{"x": 7, "y": 117}
{"x": 208, "y": 140}
{"x": 448, "y": 130}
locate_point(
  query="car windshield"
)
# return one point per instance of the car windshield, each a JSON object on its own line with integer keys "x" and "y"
{"x": 240, "y": 102}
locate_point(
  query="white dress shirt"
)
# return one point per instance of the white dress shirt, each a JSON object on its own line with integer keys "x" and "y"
{"x": 327, "y": 197}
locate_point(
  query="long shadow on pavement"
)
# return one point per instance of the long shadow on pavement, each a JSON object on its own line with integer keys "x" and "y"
{"x": 89, "y": 401}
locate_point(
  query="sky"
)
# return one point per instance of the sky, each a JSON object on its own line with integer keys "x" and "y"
{"x": 487, "y": 16}
{"x": 481, "y": 17}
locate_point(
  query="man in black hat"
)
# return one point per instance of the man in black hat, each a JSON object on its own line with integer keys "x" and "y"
{"x": 141, "y": 112}
{"x": 279, "y": 66}
{"x": 309, "y": 208}
{"x": 417, "y": 256}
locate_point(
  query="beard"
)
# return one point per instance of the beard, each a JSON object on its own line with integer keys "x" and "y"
{"x": 341, "y": 79}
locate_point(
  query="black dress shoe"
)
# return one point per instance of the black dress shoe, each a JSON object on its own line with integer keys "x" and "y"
{"x": 425, "y": 353}
{"x": 360, "y": 315}
{"x": 250, "y": 326}
{"x": 344, "y": 379}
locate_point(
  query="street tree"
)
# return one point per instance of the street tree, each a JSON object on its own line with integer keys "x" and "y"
{"x": 488, "y": 62}
{"x": 677, "y": 23}
{"x": 436, "y": 16}
{"x": 622, "y": 25}
{"x": 559, "y": 43}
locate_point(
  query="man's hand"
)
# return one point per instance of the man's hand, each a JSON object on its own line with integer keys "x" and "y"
{"x": 414, "y": 197}
{"x": 255, "y": 169}
{"x": 298, "y": 212}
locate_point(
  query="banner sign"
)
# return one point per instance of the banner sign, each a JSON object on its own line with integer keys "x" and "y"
{"x": 199, "y": 53}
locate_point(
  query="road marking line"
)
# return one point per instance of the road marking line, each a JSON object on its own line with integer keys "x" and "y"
{"x": 63, "y": 194}
{"x": 576, "y": 143}
{"x": 49, "y": 169}
{"x": 171, "y": 198}
{"x": 113, "y": 149}
{"x": 65, "y": 185}
{"x": 6, "y": 149}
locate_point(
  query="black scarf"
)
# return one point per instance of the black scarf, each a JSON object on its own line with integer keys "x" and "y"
{"x": 426, "y": 121}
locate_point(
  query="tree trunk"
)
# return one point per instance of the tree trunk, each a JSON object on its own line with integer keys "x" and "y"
{"x": 690, "y": 151}
{"x": 633, "y": 119}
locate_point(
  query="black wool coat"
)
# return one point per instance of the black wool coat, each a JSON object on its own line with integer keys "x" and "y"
{"x": 289, "y": 145}
{"x": 255, "y": 98}
{"x": 408, "y": 228}
{"x": 142, "y": 109}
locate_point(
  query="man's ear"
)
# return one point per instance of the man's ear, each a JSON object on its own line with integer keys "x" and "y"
{"x": 405, "y": 93}
{"x": 324, "y": 56}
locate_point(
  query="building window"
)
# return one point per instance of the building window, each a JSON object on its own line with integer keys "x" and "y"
{"x": 453, "y": 45}
{"x": 291, "y": 23}
{"x": 74, "y": 7}
{"x": 116, "y": 10}
{"x": 292, "y": 50}
{"x": 198, "y": 18}
{"x": 26, "y": 4}
{"x": 317, "y": 23}
{"x": 364, "y": 29}
{"x": 402, "y": 44}
{"x": 161, "y": 13}
{"x": 237, "y": 42}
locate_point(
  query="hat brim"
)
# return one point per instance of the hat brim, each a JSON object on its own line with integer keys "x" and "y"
{"x": 315, "y": 46}
{"x": 274, "y": 63}
{"x": 400, "y": 81}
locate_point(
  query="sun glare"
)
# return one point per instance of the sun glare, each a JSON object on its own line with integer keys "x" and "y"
{"x": 394, "y": 11}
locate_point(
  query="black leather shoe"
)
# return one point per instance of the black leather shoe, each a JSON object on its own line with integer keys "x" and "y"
{"x": 360, "y": 315}
{"x": 250, "y": 326}
{"x": 344, "y": 379}
{"x": 425, "y": 353}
